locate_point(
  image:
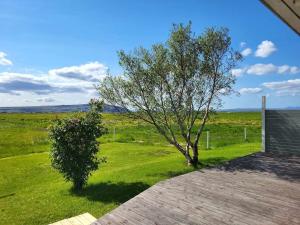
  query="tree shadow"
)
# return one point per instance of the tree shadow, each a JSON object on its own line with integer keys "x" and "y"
{"x": 111, "y": 192}
{"x": 169, "y": 174}
{"x": 212, "y": 162}
{"x": 205, "y": 163}
{"x": 284, "y": 166}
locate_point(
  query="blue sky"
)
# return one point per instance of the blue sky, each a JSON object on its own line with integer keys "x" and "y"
{"x": 51, "y": 52}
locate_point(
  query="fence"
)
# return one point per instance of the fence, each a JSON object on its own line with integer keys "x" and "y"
{"x": 210, "y": 138}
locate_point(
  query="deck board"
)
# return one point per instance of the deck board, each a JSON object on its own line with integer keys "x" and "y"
{"x": 253, "y": 190}
{"x": 83, "y": 219}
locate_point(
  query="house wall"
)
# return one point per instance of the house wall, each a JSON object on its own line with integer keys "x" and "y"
{"x": 282, "y": 131}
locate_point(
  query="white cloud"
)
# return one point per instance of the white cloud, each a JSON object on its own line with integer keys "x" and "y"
{"x": 288, "y": 87}
{"x": 11, "y": 76}
{"x": 263, "y": 69}
{"x": 294, "y": 70}
{"x": 250, "y": 90}
{"x": 3, "y": 60}
{"x": 16, "y": 83}
{"x": 67, "y": 85}
{"x": 243, "y": 44}
{"x": 93, "y": 71}
{"x": 224, "y": 91}
{"x": 265, "y": 48}
{"x": 283, "y": 69}
{"x": 30, "y": 99}
{"x": 238, "y": 72}
{"x": 47, "y": 99}
{"x": 246, "y": 52}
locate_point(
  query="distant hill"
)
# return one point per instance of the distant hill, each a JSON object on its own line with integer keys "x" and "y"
{"x": 241, "y": 110}
{"x": 59, "y": 108}
{"x": 293, "y": 108}
{"x": 107, "y": 109}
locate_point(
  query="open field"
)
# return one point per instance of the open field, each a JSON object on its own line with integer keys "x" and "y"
{"x": 31, "y": 192}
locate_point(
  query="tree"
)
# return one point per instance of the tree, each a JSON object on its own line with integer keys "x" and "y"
{"x": 74, "y": 145}
{"x": 174, "y": 86}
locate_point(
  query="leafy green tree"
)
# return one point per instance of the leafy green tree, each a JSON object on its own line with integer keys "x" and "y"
{"x": 174, "y": 86}
{"x": 75, "y": 146}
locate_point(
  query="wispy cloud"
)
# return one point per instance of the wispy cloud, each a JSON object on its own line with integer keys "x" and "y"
{"x": 93, "y": 71}
{"x": 3, "y": 60}
{"x": 263, "y": 69}
{"x": 238, "y": 72}
{"x": 243, "y": 44}
{"x": 15, "y": 83}
{"x": 265, "y": 48}
{"x": 246, "y": 52}
{"x": 47, "y": 99}
{"x": 287, "y": 87}
{"x": 288, "y": 69}
{"x": 74, "y": 79}
{"x": 250, "y": 90}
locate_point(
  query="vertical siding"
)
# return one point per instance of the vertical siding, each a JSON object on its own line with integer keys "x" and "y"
{"x": 282, "y": 131}
{"x": 263, "y": 124}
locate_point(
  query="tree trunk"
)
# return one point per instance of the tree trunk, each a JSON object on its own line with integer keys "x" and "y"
{"x": 195, "y": 156}
{"x": 189, "y": 159}
{"x": 78, "y": 185}
{"x": 188, "y": 156}
{"x": 192, "y": 161}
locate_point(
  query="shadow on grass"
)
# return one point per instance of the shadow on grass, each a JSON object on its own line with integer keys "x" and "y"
{"x": 283, "y": 165}
{"x": 170, "y": 174}
{"x": 212, "y": 162}
{"x": 204, "y": 163}
{"x": 111, "y": 192}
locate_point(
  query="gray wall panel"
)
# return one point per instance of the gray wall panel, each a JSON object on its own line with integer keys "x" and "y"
{"x": 282, "y": 131}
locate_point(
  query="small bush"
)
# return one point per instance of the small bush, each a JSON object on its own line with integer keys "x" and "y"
{"x": 75, "y": 146}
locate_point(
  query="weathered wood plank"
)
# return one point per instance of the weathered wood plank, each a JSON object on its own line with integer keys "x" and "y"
{"x": 269, "y": 191}
{"x": 88, "y": 217}
{"x": 234, "y": 203}
{"x": 83, "y": 219}
{"x": 74, "y": 221}
{"x": 259, "y": 194}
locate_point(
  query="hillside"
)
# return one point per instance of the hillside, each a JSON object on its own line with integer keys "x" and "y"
{"x": 58, "y": 108}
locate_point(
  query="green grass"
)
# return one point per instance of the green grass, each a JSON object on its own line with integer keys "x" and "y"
{"x": 31, "y": 192}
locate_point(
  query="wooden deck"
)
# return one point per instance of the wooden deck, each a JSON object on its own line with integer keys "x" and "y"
{"x": 83, "y": 219}
{"x": 258, "y": 189}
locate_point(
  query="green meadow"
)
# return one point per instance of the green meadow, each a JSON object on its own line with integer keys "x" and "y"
{"x": 31, "y": 192}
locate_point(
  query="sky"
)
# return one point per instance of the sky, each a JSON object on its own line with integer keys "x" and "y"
{"x": 55, "y": 52}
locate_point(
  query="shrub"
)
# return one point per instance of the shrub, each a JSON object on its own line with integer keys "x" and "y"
{"x": 74, "y": 144}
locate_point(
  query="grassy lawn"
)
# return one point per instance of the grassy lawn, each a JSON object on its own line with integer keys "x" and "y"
{"x": 31, "y": 192}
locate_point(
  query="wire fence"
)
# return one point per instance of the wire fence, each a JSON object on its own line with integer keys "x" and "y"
{"x": 209, "y": 139}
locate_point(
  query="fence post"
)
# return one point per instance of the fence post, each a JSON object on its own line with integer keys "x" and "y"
{"x": 207, "y": 139}
{"x": 114, "y": 137}
{"x": 263, "y": 124}
{"x": 245, "y": 133}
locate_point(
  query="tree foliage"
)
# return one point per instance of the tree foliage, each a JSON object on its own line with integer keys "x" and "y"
{"x": 75, "y": 146}
{"x": 176, "y": 84}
